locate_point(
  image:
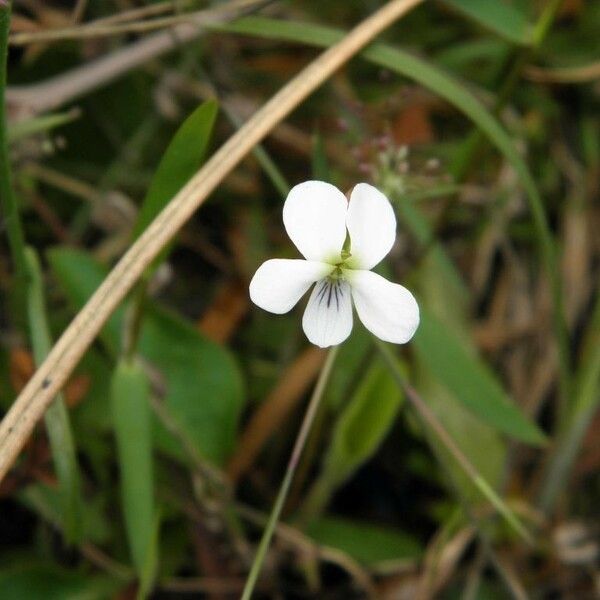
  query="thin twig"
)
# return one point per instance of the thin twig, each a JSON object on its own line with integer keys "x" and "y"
{"x": 230, "y": 10}
{"x": 141, "y": 12}
{"x": 582, "y": 74}
{"x": 18, "y": 424}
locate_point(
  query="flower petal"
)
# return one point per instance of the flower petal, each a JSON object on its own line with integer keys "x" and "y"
{"x": 314, "y": 215}
{"x": 279, "y": 283}
{"x": 327, "y": 319}
{"x": 386, "y": 309}
{"x": 372, "y": 226}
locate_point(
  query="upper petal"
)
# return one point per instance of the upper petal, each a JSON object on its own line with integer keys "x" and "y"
{"x": 314, "y": 215}
{"x": 279, "y": 283}
{"x": 372, "y": 225}
{"x": 327, "y": 320}
{"x": 387, "y": 309}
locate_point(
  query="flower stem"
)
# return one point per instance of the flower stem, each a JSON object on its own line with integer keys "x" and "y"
{"x": 311, "y": 411}
{"x": 429, "y": 417}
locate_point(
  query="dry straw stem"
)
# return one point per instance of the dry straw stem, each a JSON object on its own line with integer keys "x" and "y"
{"x": 583, "y": 74}
{"x": 29, "y": 407}
{"x": 106, "y": 28}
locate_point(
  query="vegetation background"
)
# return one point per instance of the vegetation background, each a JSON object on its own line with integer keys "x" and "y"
{"x": 463, "y": 465}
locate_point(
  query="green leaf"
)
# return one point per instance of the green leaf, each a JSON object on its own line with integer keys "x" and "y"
{"x": 47, "y": 582}
{"x": 58, "y": 424}
{"x": 203, "y": 383}
{"x": 79, "y": 275}
{"x": 204, "y": 387}
{"x": 130, "y": 407}
{"x": 46, "y": 502}
{"x": 499, "y": 17}
{"x": 365, "y": 542}
{"x": 468, "y": 378}
{"x": 180, "y": 161}
{"x": 357, "y": 434}
{"x": 352, "y": 357}
{"x": 441, "y": 291}
{"x": 363, "y": 424}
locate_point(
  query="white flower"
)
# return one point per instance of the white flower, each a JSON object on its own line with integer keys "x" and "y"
{"x": 341, "y": 241}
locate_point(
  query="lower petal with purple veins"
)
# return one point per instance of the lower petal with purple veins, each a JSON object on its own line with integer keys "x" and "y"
{"x": 327, "y": 319}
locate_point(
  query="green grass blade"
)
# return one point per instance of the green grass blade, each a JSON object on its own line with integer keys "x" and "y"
{"x": 467, "y": 377}
{"x": 181, "y": 160}
{"x": 44, "y": 123}
{"x": 366, "y": 542}
{"x": 357, "y": 434}
{"x": 130, "y": 404}
{"x": 500, "y": 18}
{"x": 57, "y": 420}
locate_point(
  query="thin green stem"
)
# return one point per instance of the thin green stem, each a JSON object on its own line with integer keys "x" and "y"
{"x": 307, "y": 422}
{"x": 544, "y": 23}
{"x": 431, "y": 420}
{"x": 8, "y": 200}
{"x": 58, "y": 424}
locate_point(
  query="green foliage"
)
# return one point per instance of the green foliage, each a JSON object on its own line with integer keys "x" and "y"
{"x": 362, "y": 424}
{"x": 356, "y": 435}
{"x": 180, "y": 161}
{"x": 34, "y": 582}
{"x": 471, "y": 382}
{"x": 368, "y": 543}
{"x": 46, "y": 501}
{"x": 57, "y": 419}
{"x": 203, "y": 385}
{"x": 443, "y": 293}
{"x": 502, "y": 18}
{"x": 130, "y": 407}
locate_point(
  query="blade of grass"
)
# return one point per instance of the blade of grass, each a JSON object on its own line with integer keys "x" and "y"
{"x": 469, "y": 379}
{"x": 35, "y": 125}
{"x": 438, "y": 429}
{"x": 8, "y": 200}
{"x": 429, "y": 76}
{"x": 28, "y": 408}
{"x": 58, "y": 424}
{"x": 130, "y": 407}
{"x": 499, "y": 17}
